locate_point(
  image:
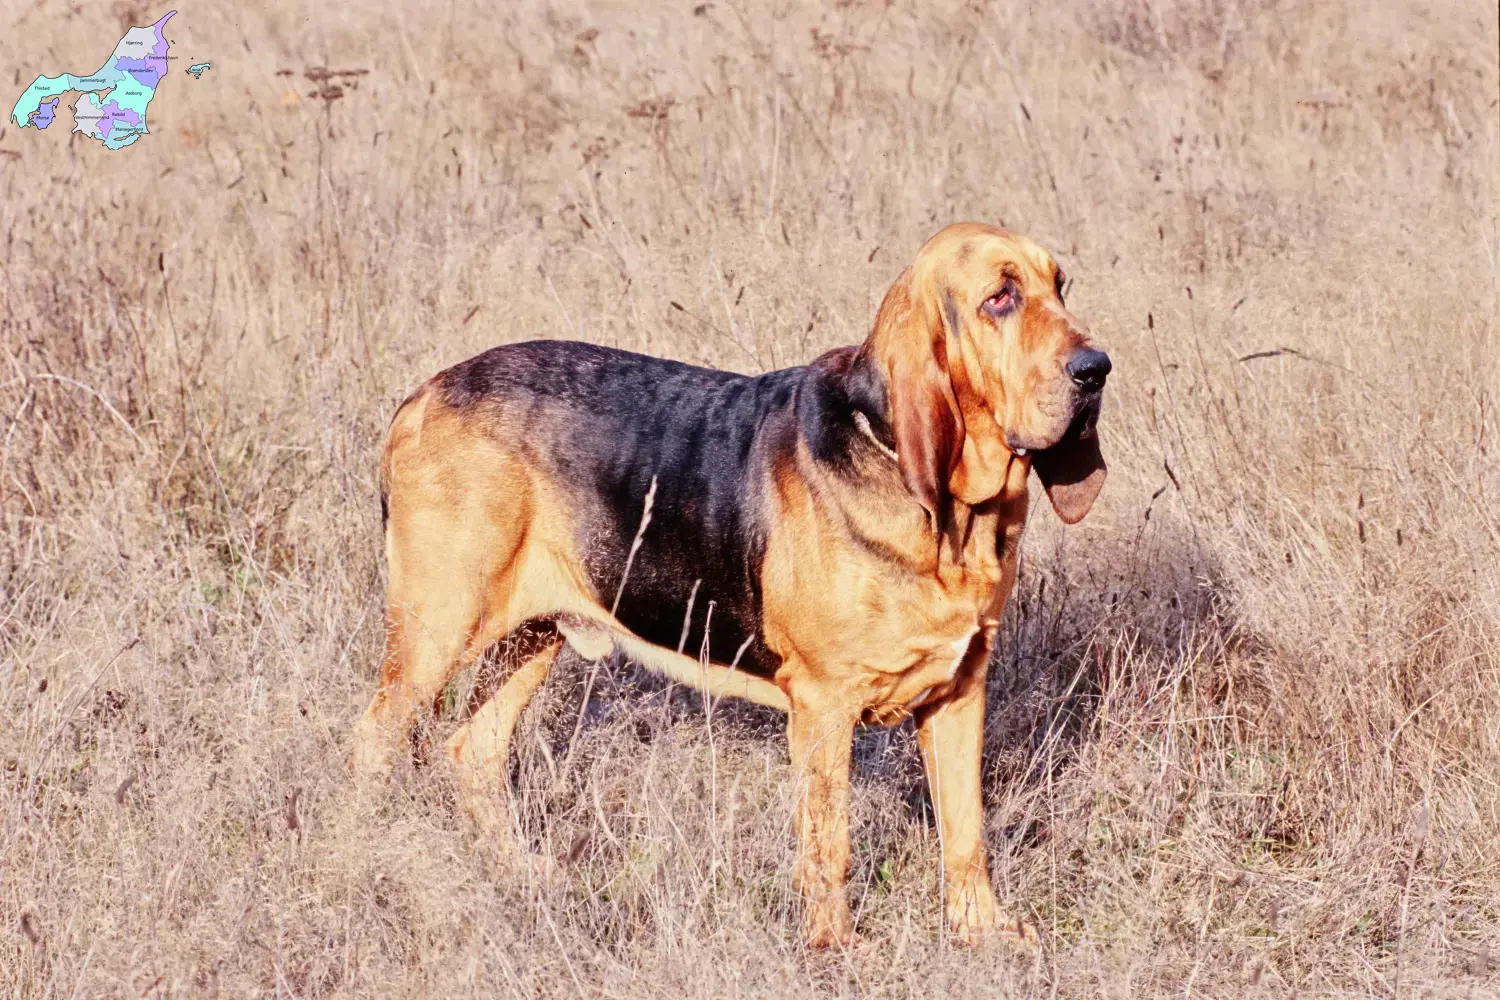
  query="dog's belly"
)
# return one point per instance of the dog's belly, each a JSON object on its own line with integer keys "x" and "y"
{"x": 702, "y": 604}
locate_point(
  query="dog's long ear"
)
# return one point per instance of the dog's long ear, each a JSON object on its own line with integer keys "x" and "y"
{"x": 925, "y": 418}
{"x": 1072, "y": 472}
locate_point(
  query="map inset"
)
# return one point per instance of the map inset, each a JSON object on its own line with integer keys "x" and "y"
{"x": 112, "y": 102}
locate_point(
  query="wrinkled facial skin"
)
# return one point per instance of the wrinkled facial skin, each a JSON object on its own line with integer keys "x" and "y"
{"x": 1009, "y": 336}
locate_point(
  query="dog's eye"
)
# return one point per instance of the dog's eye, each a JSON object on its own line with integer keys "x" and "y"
{"x": 1060, "y": 282}
{"x": 1001, "y": 302}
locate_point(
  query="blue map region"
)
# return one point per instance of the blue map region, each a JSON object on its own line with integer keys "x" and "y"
{"x": 197, "y": 69}
{"x": 42, "y": 116}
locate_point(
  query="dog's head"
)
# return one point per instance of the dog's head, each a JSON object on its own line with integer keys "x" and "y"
{"x": 986, "y": 366}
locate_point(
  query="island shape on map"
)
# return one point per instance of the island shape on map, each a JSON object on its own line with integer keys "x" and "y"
{"x": 112, "y": 102}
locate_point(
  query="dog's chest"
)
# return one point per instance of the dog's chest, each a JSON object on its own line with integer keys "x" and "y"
{"x": 911, "y": 643}
{"x": 889, "y": 695}
{"x": 890, "y": 633}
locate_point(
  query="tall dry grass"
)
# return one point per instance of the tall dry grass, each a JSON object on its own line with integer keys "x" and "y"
{"x": 1245, "y": 720}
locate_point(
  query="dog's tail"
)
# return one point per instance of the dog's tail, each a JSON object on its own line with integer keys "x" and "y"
{"x": 406, "y": 421}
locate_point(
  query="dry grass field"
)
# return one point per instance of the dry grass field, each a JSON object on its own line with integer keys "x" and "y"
{"x": 1244, "y": 729}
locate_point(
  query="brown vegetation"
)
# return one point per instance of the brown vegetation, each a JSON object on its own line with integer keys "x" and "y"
{"x": 1244, "y": 729}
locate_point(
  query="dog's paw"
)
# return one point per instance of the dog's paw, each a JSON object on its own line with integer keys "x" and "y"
{"x": 1017, "y": 932}
{"x": 829, "y": 926}
{"x": 974, "y": 917}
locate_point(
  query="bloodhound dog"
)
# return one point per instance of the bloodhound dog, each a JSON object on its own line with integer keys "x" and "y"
{"x": 836, "y": 540}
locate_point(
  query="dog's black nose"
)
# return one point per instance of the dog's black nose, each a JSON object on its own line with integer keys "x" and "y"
{"x": 1089, "y": 368}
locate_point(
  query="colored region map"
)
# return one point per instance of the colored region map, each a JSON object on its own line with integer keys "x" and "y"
{"x": 112, "y": 101}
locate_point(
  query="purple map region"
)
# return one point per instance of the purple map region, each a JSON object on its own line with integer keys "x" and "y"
{"x": 114, "y": 113}
{"x": 43, "y": 115}
{"x": 147, "y": 71}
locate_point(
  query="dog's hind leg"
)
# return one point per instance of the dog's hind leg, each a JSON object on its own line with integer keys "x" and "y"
{"x": 450, "y": 597}
{"x": 426, "y": 644}
{"x": 480, "y": 748}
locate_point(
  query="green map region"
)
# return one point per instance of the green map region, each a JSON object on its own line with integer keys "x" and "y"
{"x": 112, "y": 105}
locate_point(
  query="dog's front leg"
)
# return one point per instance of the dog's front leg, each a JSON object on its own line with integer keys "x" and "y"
{"x": 951, "y": 735}
{"x": 820, "y": 730}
